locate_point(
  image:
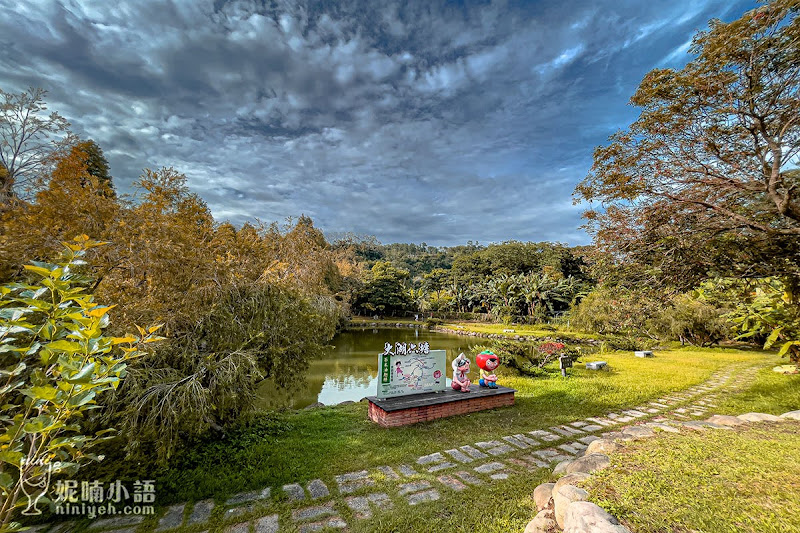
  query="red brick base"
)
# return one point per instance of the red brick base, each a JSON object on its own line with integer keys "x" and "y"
{"x": 404, "y": 417}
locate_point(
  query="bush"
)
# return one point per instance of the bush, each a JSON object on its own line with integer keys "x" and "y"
{"x": 525, "y": 357}
{"x": 694, "y": 321}
{"x": 56, "y": 363}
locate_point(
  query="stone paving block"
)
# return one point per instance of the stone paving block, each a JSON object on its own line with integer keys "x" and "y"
{"x": 578, "y": 424}
{"x": 426, "y": 496}
{"x": 472, "y": 452}
{"x": 543, "y": 435}
{"x": 451, "y": 483}
{"x": 389, "y": 472}
{"x": 494, "y": 447}
{"x": 173, "y": 517}
{"x": 347, "y": 488}
{"x": 352, "y": 481}
{"x": 469, "y": 478}
{"x": 488, "y": 468}
{"x": 407, "y": 471}
{"x": 432, "y": 458}
{"x": 201, "y": 512}
{"x": 295, "y": 492}
{"x": 245, "y": 497}
{"x": 652, "y": 410}
{"x": 333, "y": 522}
{"x": 634, "y": 413}
{"x": 380, "y": 500}
{"x": 614, "y": 416}
{"x": 267, "y": 524}
{"x": 318, "y": 489}
{"x": 588, "y": 439}
{"x": 624, "y": 419}
{"x": 499, "y": 476}
{"x": 601, "y": 421}
{"x": 547, "y": 453}
{"x": 360, "y": 506}
{"x": 315, "y": 511}
{"x": 562, "y": 432}
{"x": 516, "y": 442}
{"x": 569, "y": 449}
{"x": 578, "y": 445}
{"x": 592, "y": 428}
{"x": 238, "y": 511}
{"x": 441, "y": 466}
{"x": 351, "y": 476}
{"x": 414, "y": 486}
{"x": 659, "y": 405}
{"x": 523, "y": 464}
{"x": 527, "y": 440}
{"x": 500, "y": 450}
{"x": 681, "y": 410}
{"x": 536, "y": 461}
{"x": 459, "y": 456}
{"x": 241, "y": 527}
{"x": 113, "y": 522}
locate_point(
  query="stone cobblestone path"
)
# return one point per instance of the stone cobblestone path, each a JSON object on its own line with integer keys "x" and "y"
{"x": 363, "y": 494}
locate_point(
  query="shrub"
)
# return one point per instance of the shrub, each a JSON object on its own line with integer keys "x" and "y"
{"x": 692, "y": 320}
{"x": 55, "y": 363}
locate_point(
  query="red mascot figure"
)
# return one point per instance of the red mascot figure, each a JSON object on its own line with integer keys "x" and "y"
{"x": 487, "y": 362}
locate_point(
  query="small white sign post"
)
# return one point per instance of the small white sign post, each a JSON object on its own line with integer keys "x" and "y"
{"x": 407, "y": 368}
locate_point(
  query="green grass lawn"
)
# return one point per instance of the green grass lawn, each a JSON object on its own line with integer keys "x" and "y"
{"x": 716, "y": 481}
{"x": 286, "y": 447}
{"x": 535, "y": 330}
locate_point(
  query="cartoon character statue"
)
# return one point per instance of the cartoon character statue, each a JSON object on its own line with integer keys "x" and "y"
{"x": 460, "y": 370}
{"x": 487, "y": 362}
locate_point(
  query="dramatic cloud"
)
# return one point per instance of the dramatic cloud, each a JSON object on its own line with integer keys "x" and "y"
{"x": 409, "y": 121}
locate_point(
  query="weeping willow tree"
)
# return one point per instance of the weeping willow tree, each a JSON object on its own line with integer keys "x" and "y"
{"x": 207, "y": 378}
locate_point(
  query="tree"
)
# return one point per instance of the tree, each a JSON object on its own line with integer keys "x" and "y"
{"x": 384, "y": 291}
{"x": 702, "y": 182}
{"x": 28, "y": 140}
{"x": 96, "y": 163}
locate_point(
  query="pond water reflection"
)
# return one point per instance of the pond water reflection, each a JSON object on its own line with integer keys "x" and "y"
{"x": 350, "y": 369}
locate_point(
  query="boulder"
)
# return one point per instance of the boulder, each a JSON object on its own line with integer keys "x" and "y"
{"x": 542, "y": 495}
{"x": 791, "y": 415}
{"x": 603, "y": 446}
{"x": 639, "y": 432}
{"x": 726, "y": 420}
{"x": 586, "y": 517}
{"x": 589, "y": 463}
{"x": 544, "y": 522}
{"x": 564, "y": 497}
{"x": 758, "y": 417}
{"x": 570, "y": 479}
{"x": 561, "y": 468}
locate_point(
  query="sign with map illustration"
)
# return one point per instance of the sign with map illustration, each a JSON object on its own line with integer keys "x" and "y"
{"x": 408, "y": 368}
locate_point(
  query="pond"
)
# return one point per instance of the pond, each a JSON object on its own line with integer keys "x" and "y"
{"x": 349, "y": 371}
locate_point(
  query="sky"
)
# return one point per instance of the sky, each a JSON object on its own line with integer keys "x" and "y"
{"x": 410, "y": 121}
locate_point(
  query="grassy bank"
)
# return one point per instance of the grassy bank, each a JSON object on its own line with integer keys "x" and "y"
{"x": 287, "y": 447}
{"x": 722, "y": 481}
